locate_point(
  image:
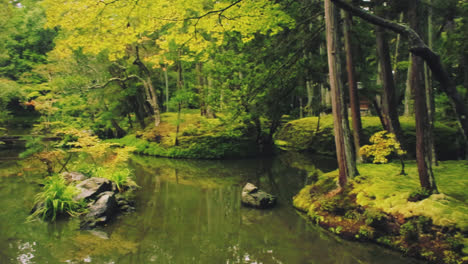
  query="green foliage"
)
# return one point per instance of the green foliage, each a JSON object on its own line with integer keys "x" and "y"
{"x": 56, "y": 200}
{"x": 301, "y": 135}
{"x": 366, "y": 232}
{"x": 409, "y": 232}
{"x": 384, "y": 144}
{"x": 419, "y": 195}
{"x": 120, "y": 176}
{"x": 373, "y": 217}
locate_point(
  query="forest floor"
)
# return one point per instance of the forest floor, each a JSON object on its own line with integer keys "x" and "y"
{"x": 385, "y": 207}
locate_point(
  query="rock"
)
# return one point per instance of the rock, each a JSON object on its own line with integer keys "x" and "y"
{"x": 73, "y": 176}
{"x": 101, "y": 211}
{"x": 92, "y": 187}
{"x": 253, "y": 197}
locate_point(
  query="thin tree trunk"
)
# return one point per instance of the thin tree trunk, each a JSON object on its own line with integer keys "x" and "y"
{"x": 389, "y": 100}
{"x": 180, "y": 85}
{"x": 310, "y": 98}
{"x": 397, "y": 54}
{"x": 353, "y": 91}
{"x": 201, "y": 90}
{"x": 166, "y": 79}
{"x": 149, "y": 88}
{"x": 408, "y": 95}
{"x": 344, "y": 153}
{"x": 423, "y": 127}
{"x": 420, "y": 49}
{"x": 428, "y": 85}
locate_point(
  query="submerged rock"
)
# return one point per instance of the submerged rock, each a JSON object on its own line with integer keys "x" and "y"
{"x": 254, "y": 197}
{"x": 73, "y": 176}
{"x": 101, "y": 211}
{"x": 92, "y": 187}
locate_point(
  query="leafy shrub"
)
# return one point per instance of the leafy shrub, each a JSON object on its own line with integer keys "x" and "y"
{"x": 374, "y": 217}
{"x": 384, "y": 144}
{"x": 409, "y": 232}
{"x": 365, "y": 232}
{"x": 56, "y": 199}
{"x": 419, "y": 195}
{"x": 120, "y": 176}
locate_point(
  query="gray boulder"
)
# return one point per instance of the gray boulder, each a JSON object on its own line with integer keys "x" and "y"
{"x": 92, "y": 187}
{"x": 73, "y": 176}
{"x": 254, "y": 197}
{"x": 101, "y": 211}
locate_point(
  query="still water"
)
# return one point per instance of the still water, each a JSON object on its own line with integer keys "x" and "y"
{"x": 187, "y": 212}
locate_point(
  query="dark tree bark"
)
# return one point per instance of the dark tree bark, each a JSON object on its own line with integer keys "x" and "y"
{"x": 344, "y": 152}
{"x": 352, "y": 85}
{"x": 389, "y": 98}
{"x": 423, "y": 124}
{"x": 151, "y": 95}
{"x": 420, "y": 49}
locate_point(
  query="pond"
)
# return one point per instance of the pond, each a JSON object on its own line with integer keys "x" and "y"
{"x": 187, "y": 212}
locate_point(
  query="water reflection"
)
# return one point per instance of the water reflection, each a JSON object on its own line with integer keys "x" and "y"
{"x": 187, "y": 212}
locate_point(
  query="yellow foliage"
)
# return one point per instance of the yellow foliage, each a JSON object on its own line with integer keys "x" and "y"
{"x": 384, "y": 144}
{"x": 111, "y": 26}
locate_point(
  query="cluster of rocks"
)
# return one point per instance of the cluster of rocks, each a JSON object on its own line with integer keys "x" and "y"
{"x": 104, "y": 201}
{"x": 254, "y": 197}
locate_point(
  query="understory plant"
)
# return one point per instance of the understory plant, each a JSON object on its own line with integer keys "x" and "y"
{"x": 56, "y": 199}
{"x": 383, "y": 145}
{"x": 119, "y": 175}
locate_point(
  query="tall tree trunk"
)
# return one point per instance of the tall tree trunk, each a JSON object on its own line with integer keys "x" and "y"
{"x": 353, "y": 91}
{"x": 389, "y": 99}
{"x": 420, "y": 49}
{"x": 201, "y": 88}
{"x": 428, "y": 84}
{"x": 423, "y": 126}
{"x": 180, "y": 85}
{"x": 209, "y": 87}
{"x": 344, "y": 152}
{"x": 408, "y": 94}
{"x": 166, "y": 80}
{"x": 149, "y": 88}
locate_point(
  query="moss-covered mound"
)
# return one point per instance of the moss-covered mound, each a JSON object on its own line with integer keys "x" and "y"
{"x": 377, "y": 207}
{"x": 311, "y": 135}
{"x": 198, "y": 137}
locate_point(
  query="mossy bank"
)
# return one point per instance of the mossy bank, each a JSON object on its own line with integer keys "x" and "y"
{"x": 198, "y": 138}
{"x": 315, "y": 135}
{"x": 385, "y": 207}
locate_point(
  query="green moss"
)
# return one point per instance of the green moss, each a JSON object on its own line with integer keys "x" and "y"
{"x": 199, "y": 138}
{"x": 429, "y": 228}
{"x": 386, "y": 190}
{"x": 302, "y": 135}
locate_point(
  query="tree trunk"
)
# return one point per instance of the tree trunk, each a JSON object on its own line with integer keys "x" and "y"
{"x": 420, "y": 49}
{"x": 344, "y": 153}
{"x": 423, "y": 127}
{"x": 389, "y": 100}
{"x": 353, "y": 91}
{"x": 180, "y": 85}
{"x": 428, "y": 85}
{"x": 201, "y": 90}
{"x": 408, "y": 95}
{"x": 149, "y": 88}
{"x": 166, "y": 79}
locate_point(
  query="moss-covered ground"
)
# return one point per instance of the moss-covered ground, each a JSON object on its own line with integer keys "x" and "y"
{"x": 313, "y": 135}
{"x": 378, "y": 206}
{"x": 198, "y": 137}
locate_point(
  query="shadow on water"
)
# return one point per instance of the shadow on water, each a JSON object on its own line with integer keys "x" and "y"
{"x": 187, "y": 212}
